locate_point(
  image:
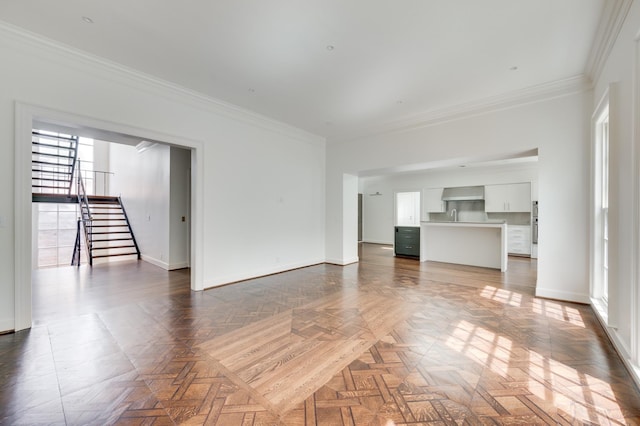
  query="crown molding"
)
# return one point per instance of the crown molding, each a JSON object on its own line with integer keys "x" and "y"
{"x": 149, "y": 83}
{"x": 613, "y": 16}
{"x": 541, "y": 92}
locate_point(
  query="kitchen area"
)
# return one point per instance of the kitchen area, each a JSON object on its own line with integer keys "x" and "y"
{"x": 458, "y": 222}
{"x": 477, "y": 225}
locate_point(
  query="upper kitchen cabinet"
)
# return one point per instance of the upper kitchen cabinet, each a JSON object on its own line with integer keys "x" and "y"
{"x": 432, "y": 200}
{"x": 513, "y": 197}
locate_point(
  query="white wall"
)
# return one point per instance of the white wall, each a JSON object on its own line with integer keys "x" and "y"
{"x": 558, "y": 127}
{"x": 143, "y": 181}
{"x": 378, "y": 215}
{"x": 179, "y": 208}
{"x": 262, "y": 181}
{"x": 624, "y": 195}
{"x": 154, "y": 186}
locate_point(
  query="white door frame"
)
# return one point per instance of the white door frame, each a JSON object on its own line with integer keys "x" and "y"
{"x": 25, "y": 114}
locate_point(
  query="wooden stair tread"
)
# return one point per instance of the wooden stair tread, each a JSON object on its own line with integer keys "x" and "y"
{"x": 49, "y": 163}
{"x": 49, "y": 186}
{"x": 51, "y": 179}
{"x": 52, "y": 155}
{"x": 53, "y": 172}
{"x": 107, "y": 233}
{"x": 114, "y": 254}
{"x": 112, "y": 247}
{"x": 102, "y": 197}
{"x": 55, "y": 146}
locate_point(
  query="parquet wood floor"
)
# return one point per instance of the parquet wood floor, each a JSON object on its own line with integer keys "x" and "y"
{"x": 387, "y": 341}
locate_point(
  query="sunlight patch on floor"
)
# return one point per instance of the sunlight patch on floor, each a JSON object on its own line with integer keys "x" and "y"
{"x": 557, "y": 311}
{"x": 501, "y": 295}
{"x": 560, "y": 387}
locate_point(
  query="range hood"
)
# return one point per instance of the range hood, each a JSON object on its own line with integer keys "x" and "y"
{"x": 463, "y": 193}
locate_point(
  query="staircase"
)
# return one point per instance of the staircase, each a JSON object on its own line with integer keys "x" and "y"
{"x": 53, "y": 160}
{"x": 107, "y": 232}
{"x": 103, "y": 222}
{"x": 107, "y": 229}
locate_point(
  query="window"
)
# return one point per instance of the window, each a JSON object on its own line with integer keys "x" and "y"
{"x": 85, "y": 159}
{"x": 600, "y": 285}
{"x": 604, "y": 148}
{"x": 56, "y": 233}
{"x": 55, "y": 225}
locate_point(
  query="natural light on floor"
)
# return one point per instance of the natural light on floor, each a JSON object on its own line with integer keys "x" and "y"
{"x": 482, "y": 346}
{"x": 550, "y": 309}
{"x": 557, "y": 311}
{"x": 551, "y": 384}
{"x": 501, "y": 295}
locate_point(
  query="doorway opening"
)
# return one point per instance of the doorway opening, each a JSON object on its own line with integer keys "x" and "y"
{"x": 29, "y": 118}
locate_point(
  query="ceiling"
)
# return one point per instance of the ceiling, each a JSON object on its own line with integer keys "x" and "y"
{"x": 335, "y": 68}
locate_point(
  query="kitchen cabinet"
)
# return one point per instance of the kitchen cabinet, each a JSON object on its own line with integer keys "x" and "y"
{"x": 432, "y": 201}
{"x": 407, "y": 241}
{"x": 519, "y": 239}
{"x": 514, "y": 197}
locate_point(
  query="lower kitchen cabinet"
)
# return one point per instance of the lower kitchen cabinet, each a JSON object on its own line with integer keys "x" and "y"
{"x": 519, "y": 240}
{"x": 407, "y": 241}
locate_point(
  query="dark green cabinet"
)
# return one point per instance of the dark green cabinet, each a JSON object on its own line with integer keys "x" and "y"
{"x": 407, "y": 241}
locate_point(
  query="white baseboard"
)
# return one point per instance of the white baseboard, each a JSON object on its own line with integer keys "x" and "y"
{"x": 179, "y": 265}
{"x": 343, "y": 262}
{"x": 164, "y": 265}
{"x": 565, "y": 296}
{"x": 154, "y": 261}
{"x": 388, "y": 243}
{"x": 7, "y": 325}
{"x": 228, "y": 279}
{"x": 620, "y": 347}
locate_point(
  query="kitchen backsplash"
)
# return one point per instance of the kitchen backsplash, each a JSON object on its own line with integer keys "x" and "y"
{"x": 473, "y": 211}
{"x": 521, "y": 218}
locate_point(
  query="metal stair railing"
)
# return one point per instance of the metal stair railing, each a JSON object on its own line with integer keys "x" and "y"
{"x": 73, "y": 166}
{"x": 86, "y": 219}
{"x": 133, "y": 238}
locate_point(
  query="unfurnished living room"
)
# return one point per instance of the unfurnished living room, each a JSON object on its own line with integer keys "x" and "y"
{"x": 320, "y": 213}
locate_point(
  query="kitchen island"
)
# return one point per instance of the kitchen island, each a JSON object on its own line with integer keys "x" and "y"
{"x": 466, "y": 243}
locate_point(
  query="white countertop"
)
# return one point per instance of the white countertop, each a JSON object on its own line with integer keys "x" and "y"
{"x": 474, "y": 224}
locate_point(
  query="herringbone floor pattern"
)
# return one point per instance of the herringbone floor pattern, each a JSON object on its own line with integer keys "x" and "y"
{"x": 384, "y": 342}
